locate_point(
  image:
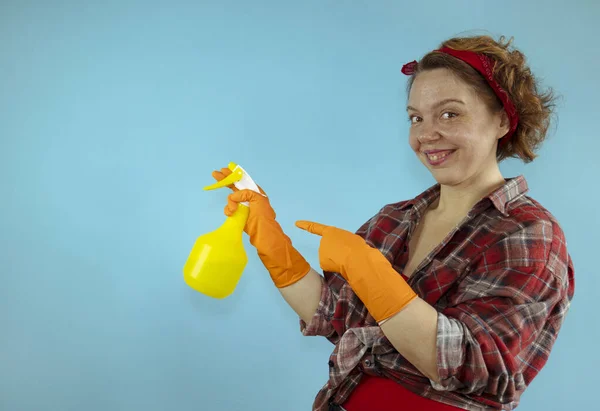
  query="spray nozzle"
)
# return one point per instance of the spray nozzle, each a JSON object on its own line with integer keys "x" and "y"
{"x": 238, "y": 177}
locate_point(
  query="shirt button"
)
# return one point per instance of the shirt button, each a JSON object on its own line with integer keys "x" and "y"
{"x": 330, "y": 363}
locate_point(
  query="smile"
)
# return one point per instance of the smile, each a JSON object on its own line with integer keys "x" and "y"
{"x": 438, "y": 157}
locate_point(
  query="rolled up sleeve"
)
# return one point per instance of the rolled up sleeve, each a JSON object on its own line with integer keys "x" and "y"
{"x": 320, "y": 323}
{"x": 453, "y": 338}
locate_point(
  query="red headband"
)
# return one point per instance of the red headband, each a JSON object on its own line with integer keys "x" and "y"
{"x": 483, "y": 65}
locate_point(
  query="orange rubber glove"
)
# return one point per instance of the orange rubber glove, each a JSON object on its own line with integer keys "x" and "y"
{"x": 284, "y": 263}
{"x": 381, "y": 288}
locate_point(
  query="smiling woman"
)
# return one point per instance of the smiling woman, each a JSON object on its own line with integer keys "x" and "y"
{"x": 500, "y": 80}
{"x": 453, "y": 299}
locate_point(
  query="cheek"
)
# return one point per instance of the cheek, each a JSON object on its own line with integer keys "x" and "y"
{"x": 468, "y": 139}
{"x": 413, "y": 140}
{"x": 458, "y": 133}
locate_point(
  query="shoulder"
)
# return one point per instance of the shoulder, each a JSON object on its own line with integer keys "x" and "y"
{"x": 391, "y": 215}
{"x": 386, "y": 219}
{"x": 529, "y": 217}
{"x": 520, "y": 254}
{"x": 527, "y": 235}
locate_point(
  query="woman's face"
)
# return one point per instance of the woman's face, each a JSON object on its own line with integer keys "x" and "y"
{"x": 452, "y": 131}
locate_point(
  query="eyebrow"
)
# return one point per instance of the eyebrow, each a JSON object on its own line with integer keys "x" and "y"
{"x": 439, "y": 103}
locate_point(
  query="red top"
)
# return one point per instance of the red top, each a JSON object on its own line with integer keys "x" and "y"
{"x": 383, "y": 394}
{"x": 377, "y": 393}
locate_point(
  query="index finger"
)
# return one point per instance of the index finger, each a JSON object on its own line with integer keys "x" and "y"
{"x": 220, "y": 175}
{"x": 311, "y": 227}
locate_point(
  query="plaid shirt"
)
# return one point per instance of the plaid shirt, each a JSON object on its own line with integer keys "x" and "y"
{"x": 501, "y": 282}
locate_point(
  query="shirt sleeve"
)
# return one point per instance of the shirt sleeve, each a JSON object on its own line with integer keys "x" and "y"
{"x": 320, "y": 323}
{"x": 497, "y": 335}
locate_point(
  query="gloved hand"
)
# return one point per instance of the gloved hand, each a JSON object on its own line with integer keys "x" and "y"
{"x": 284, "y": 263}
{"x": 371, "y": 276}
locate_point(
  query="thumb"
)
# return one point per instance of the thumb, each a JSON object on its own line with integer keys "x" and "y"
{"x": 311, "y": 227}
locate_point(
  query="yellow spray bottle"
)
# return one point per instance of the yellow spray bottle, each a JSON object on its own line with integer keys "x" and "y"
{"x": 217, "y": 260}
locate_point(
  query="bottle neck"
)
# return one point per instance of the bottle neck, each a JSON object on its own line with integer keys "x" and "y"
{"x": 237, "y": 221}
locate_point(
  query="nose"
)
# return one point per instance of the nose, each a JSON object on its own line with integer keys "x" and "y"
{"x": 427, "y": 133}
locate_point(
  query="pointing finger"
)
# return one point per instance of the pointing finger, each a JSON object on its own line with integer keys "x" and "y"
{"x": 311, "y": 227}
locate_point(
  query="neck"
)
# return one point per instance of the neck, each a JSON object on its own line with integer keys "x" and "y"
{"x": 457, "y": 200}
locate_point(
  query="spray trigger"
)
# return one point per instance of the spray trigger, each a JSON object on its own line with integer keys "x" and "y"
{"x": 237, "y": 173}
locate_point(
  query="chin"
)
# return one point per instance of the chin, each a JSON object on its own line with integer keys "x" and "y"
{"x": 451, "y": 174}
{"x": 447, "y": 177}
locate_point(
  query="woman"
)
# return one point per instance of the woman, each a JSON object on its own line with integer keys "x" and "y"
{"x": 453, "y": 299}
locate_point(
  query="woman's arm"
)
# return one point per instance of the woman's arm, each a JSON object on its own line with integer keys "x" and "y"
{"x": 304, "y": 295}
{"x": 498, "y": 336}
{"x": 413, "y": 333}
{"x": 301, "y": 286}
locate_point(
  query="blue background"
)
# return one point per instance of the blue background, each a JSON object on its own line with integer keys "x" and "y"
{"x": 112, "y": 117}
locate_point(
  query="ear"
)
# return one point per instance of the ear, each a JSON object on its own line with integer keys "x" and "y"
{"x": 504, "y": 125}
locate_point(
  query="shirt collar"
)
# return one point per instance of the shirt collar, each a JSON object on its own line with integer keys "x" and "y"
{"x": 510, "y": 191}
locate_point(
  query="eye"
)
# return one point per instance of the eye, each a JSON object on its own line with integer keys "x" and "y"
{"x": 414, "y": 119}
{"x": 449, "y": 114}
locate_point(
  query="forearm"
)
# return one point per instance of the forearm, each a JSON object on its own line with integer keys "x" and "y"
{"x": 413, "y": 332}
{"x": 304, "y": 295}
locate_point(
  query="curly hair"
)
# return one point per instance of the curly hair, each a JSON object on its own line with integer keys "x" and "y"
{"x": 534, "y": 108}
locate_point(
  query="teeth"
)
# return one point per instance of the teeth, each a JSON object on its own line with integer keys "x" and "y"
{"x": 436, "y": 157}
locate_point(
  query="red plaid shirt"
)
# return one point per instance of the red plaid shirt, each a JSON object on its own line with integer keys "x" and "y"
{"x": 502, "y": 283}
